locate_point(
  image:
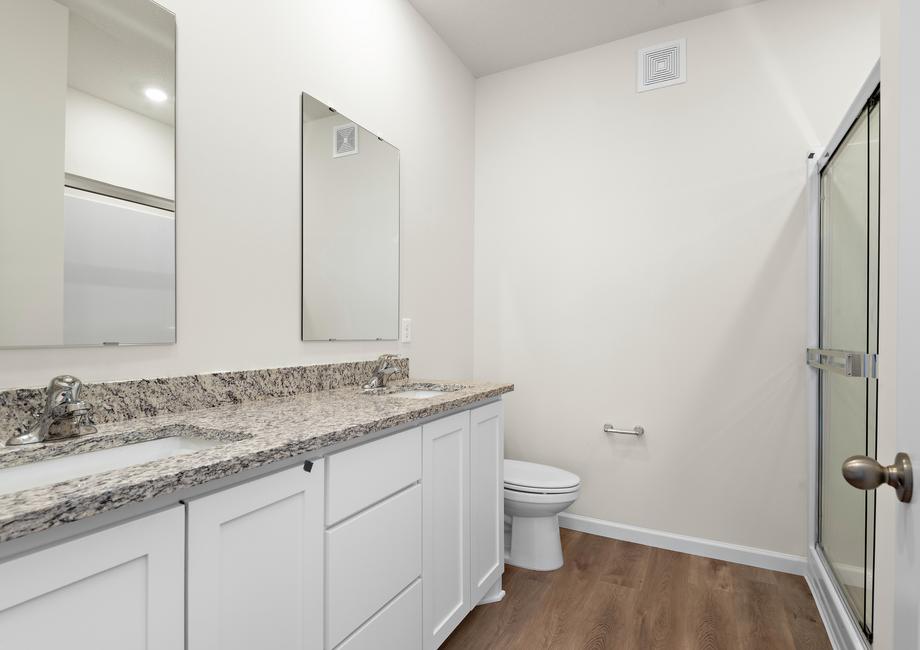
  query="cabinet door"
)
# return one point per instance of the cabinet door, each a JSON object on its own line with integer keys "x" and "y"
{"x": 121, "y": 588}
{"x": 255, "y": 564}
{"x": 487, "y": 499}
{"x": 445, "y": 526}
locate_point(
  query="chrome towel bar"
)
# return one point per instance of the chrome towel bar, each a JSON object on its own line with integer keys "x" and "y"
{"x": 635, "y": 431}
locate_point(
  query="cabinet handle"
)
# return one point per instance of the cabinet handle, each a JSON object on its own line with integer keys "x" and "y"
{"x": 308, "y": 466}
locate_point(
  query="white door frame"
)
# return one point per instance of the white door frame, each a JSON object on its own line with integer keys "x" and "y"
{"x": 842, "y": 628}
{"x": 897, "y": 566}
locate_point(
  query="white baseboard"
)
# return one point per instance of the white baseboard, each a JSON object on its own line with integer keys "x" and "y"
{"x": 841, "y": 627}
{"x": 748, "y": 555}
{"x": 850, "y": 575}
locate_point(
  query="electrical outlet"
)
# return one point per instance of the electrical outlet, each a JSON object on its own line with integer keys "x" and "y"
{"x": 405, "y": 330}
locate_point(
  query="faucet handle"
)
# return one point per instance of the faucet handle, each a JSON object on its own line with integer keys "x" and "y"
{"x": 71, "y": 409}
{"x": 383, "y": 361}
{"x": 63, "y": 389}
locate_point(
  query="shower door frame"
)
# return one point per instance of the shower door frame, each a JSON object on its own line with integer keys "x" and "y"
{"x": 844, "y": 630}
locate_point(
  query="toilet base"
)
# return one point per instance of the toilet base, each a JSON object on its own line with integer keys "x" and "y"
{"x": 535, "y": 543}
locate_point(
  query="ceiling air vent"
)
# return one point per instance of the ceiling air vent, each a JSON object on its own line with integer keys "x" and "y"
{"x": 662, "y": 65}
{"x": 345, "y": 140}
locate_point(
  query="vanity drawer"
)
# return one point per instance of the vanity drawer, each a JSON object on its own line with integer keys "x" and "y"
{"x": 364, "y": 475}
{"x": 370, "y": 559}
{"x": 398, "y": 625}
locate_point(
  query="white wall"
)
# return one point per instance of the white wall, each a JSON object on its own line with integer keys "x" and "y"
{"x": 111, "y": 144}
{"x": 640, "y": 259}
{"x": 242, "y": 67}
{"x": 33, "y": 67}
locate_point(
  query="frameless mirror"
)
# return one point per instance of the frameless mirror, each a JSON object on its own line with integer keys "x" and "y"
{"x": 87, "y": 173}
{"x": 350, "y": 229}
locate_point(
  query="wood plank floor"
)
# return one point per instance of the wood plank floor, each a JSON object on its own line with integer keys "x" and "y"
{"x": 613, "y": 594}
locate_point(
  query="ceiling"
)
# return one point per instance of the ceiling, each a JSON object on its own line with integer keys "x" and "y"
{"x": 494, "y": 35}
{"x": 118, "y": 48}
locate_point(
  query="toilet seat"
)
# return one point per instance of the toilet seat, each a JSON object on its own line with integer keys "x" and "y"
{"x": 546, "y": 498}
{"x": 533, "y": 478}
{"x": 538, "y": 490}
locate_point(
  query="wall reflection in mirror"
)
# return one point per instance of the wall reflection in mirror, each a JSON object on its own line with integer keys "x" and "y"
{"x": 87, "y": 173}
{"x": 350, "y": 229}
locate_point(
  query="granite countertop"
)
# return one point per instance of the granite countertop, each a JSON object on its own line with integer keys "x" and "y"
{"x": 252, "y": 434}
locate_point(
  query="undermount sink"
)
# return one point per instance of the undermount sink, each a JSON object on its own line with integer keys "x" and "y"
{"x": 66, "y": 468}
{"x": 417, "y": 390}
{"x": 418, "y": 394}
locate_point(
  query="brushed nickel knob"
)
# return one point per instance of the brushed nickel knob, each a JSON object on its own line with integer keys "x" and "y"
{"x": 867, "y": 474}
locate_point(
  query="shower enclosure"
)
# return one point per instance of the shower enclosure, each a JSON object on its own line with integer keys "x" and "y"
{"x": 844, "y": 185}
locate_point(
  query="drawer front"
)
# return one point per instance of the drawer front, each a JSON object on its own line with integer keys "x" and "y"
{"x": 359, "y": 477}
{"x": 398, "y": 626}
{"x": 369, "y": 560}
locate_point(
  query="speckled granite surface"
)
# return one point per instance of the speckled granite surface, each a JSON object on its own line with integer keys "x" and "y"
{"x": 125, "y": 400}
{"x": 256, "y": 433}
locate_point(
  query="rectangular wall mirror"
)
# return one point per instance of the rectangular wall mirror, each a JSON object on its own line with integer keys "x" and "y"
{"x": 350, "y": 229}
{"x": 87, "y": 173}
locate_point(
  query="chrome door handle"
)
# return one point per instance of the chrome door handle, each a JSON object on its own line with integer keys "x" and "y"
{"x": 867, "y": 474}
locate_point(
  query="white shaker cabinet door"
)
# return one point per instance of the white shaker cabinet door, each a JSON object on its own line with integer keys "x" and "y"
{"x": 445, "y": 526}
{"x": 121, "y": 588}
{"x": 487, "y": 498}
{"x": 255, "y": 564}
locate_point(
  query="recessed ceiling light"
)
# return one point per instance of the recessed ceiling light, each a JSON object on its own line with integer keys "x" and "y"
{"x": 156, "y": 95}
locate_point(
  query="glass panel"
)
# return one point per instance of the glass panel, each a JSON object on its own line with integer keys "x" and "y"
{"x": 849, "y": 321}
{"x": 843, "y": 508}
{"x": 845, "y": 242}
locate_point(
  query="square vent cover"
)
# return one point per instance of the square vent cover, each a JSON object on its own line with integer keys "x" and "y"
{"x": 345, "y": 140}
{"x": 662, "y": 65}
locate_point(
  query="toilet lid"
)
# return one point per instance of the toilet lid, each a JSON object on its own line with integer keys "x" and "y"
{"x": 525, "y": 475}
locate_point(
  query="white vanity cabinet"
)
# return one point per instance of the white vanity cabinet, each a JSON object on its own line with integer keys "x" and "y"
{"x": 487, "y": 499}
{"x": 116, "y": 589}
{"x": 415, "y": 532}
{"x": 386, "y": 546}
{"x": 374, "y": 544}
{"x": 463, "y": 516}
{"x": 446, "y": 513}
{"x": 255, "y": 564}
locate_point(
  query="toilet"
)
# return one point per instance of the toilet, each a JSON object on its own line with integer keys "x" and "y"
{"x": 534, "y": 497}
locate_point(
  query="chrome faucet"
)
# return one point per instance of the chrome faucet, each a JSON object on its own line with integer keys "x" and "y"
{"x": 64, "y": 415}
{"x": 382, "y": 372}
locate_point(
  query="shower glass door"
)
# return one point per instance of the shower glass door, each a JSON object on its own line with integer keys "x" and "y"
{"x": 846, "y": 358}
